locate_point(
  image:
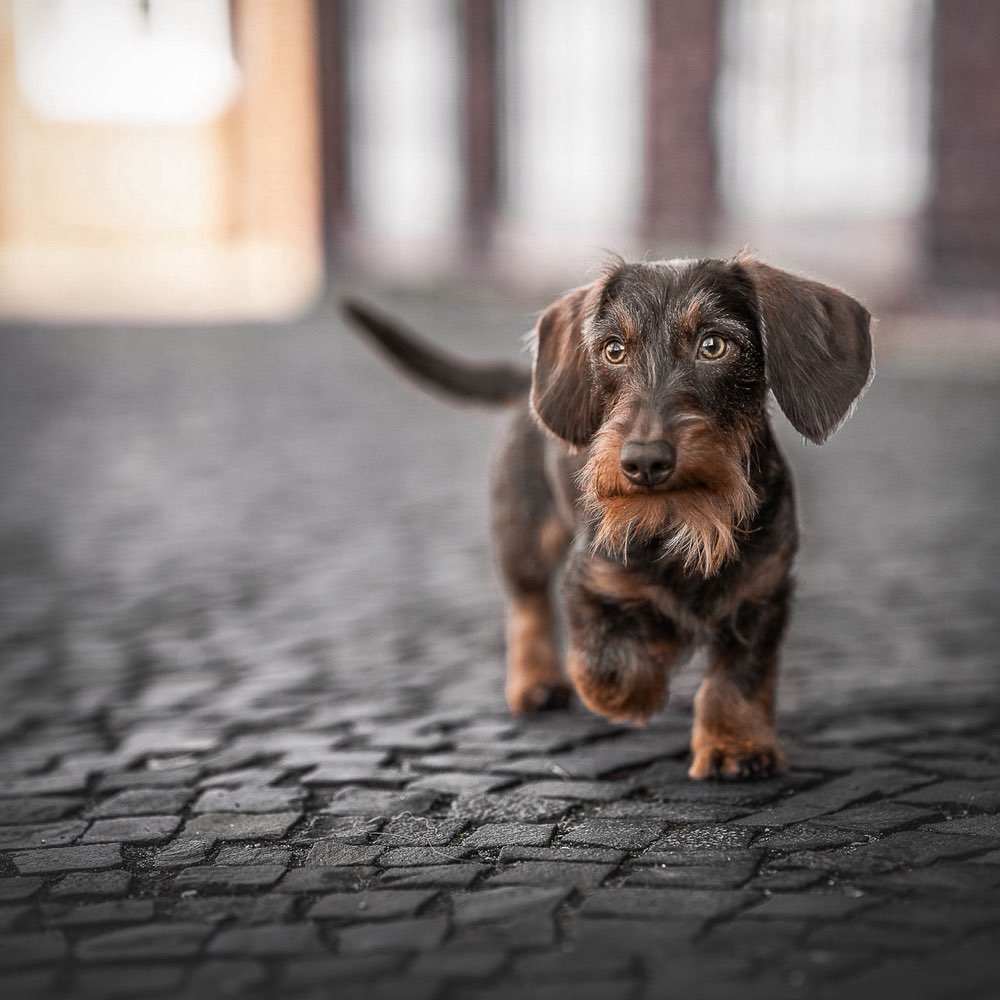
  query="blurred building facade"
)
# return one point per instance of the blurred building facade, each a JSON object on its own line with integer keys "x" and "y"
{"x": 509, "y": 140}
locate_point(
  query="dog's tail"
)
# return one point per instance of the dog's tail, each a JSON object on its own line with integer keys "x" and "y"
{"x": 494, "y": 382}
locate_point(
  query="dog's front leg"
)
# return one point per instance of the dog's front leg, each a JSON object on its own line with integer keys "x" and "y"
{"x": 733, "y": 734}
{"x": 619, "y": 653}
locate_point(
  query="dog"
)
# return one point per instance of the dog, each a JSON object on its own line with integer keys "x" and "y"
{"x": 641, "y": 460}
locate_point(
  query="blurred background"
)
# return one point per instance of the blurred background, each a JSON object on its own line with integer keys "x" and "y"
{"x": 197, "y": 160}
{"x": 202, "y": 467}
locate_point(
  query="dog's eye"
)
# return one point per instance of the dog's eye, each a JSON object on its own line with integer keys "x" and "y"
{"x": 712, "y": 347}
{"x": 614, "y": 352}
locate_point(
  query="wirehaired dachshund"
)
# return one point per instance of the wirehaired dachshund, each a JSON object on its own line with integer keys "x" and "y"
{"x": 640, "y": 458}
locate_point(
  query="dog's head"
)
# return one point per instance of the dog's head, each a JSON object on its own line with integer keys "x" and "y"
{"x": 662, "y": 371}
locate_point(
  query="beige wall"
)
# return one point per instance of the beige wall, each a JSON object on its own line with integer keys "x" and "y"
{"x": 183, "y": 222}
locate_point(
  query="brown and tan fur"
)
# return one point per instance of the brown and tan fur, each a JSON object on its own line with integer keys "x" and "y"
{"x": 641, "y": 467}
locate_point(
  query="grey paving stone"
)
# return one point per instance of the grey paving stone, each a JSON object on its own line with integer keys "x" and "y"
{"x": 664, "y": 904}
{"x": 529, "y": 931}
{"x": 595, "y": 760}
{"x": 40, "y": 835}
{"x": 336, "y": 852}
{"x": 419, "y": 831}
{"x": 237, "y": 826}
{"x": 320, "y": 972}
{"x": 15, "y": 889}
{"x": 923, "y": 847}
{"x": 54, "y": 860}
{"x": 349, "y": 829}
{"x": 89, "y": 884}
{"x": 455, "y": 876}
{"x": 226, "y": 978}
{"x": 509, "y": 835}
{"x": 379, "y": 802}
{"x": 141, "y": 802}
{"x": 420, "y": 934}
{"x": 664, "y": 812}
{"x": 117, "y": 911}
{"x": 979, "y": 826}
{"x": 876, "y": 817}
{"x": 45, "y": 784}
{"x": 648, "y": 941}
{"x": 790, "y": 880}
{"x": 459, "y": 783}
{"x": 810, "y": 906}
{"x": 125, "y": 981}
{"x": 19, "y": 951}
{"x": 700, "y": 856}
{"x": 583, "y": 791}
{"x": 481, "y": 964}
{"x": 344, "y": 773}
{"x": 505, "y": 903}
{"x": 242, "y": 777}
{"x": 622, "y": 835}
{"x": 984, "y": 795}
{"x": 553, "y": 873}
{"x": 181, "y": 778}
{"x": 479, "y": 760}
{"x": 253, "y": 854}
{"x": 249, "y": 799}
{"x": 145, "y": 943}
{"x": 418, "y": 857}
{"x": 695, "y": 838}
{"x": 131, "y": 830}
{"x": 877, "y": 939}
{"x": 384, "y": 904}
{"x": 717, "y": 876}
{"x": 808, "y": 837}
{"x": 563, "y": 853}
{"x": 228, "y": 877}
{"x": 310, "y": 880}
{"x": 29, "y": 983}
{"x": 39, "y": 810}
{"x": 267, "y": 941}
{"x": 605, "y": 968}
{"x": 410, "y": 737}
{"x": 832, "y": 796}
{"x": 181, "y": 853}
{"x": 757, "y": 940}
{"x": 944, "y": 879}
{"x": 509, "y": 807}
{"x": 245, "y": 910}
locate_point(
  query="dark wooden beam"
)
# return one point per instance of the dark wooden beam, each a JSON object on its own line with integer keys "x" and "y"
{"x": 680, "y": 197}
{"x": 481, "y": 114}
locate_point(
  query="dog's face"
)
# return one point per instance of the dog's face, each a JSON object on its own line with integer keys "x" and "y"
{"x": 662, "y": 371}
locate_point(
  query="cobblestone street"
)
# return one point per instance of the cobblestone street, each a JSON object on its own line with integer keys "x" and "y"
{"x": 254, "y": 744}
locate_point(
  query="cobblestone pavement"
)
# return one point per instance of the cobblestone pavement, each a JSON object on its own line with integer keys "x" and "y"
{"x": 253, "y": 741}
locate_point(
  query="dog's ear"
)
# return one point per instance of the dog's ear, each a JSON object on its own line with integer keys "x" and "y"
{"x": 561, "y": 391}
{"x": 817, "y": 347}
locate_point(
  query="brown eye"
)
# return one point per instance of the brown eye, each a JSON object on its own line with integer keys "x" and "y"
{"x": 614, "y": 352}
{"x": 712, "y": 347}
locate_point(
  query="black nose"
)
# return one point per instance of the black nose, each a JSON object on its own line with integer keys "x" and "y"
{"x": 647, "y": 463}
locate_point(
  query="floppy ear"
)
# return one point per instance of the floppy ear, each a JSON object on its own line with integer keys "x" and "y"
{"x": 817, "y": 348}
{"x": 561, "y": 392}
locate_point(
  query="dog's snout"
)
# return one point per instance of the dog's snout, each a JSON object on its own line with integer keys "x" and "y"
{"x": 647, "y": 463}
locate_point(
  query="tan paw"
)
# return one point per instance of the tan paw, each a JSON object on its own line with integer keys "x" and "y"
{"x": 737, "y": 760}
{"x": 539, "y": 696}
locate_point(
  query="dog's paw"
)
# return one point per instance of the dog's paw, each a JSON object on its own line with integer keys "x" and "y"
{"x": 627, "y": 692}
{"x": 719, "y": 760}
{"x": 540, "y": 696}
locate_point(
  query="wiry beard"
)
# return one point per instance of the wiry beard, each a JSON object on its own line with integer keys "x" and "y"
{"x": 697, "y": 520}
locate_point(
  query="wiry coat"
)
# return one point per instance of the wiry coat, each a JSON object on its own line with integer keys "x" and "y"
{"x": 642, "y": 460}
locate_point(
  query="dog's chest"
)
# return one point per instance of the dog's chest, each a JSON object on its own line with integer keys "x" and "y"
{"x": 696, "y": 606}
